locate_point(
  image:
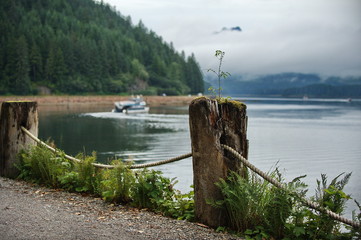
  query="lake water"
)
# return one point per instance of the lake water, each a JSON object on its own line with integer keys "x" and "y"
{"x": 304, "y": 137}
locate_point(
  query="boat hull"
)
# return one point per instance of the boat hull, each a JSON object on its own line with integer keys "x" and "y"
{"x": 129, "y": 107}
{"x": 131, "y": 110}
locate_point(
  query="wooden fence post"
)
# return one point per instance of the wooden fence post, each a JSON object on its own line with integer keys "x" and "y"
{"x": 212, "y": 124}
{"x": 12, "y": 139}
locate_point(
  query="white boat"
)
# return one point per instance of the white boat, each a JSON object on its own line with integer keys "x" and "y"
{"x": 133, "y": 105}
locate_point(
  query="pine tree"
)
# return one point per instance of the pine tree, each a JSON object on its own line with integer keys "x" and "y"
{"x": 18, "y": 65}
{"x": 36, "y": 63}
{"x": 194, "y": 75}
{"x": 55, "y": 69}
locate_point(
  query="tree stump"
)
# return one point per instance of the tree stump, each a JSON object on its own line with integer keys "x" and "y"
{"x": 14, "y": 115}
{"x": 213, "y": 124}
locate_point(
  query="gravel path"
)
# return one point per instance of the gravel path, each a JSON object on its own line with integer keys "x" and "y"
{"x": 31, "y": 212}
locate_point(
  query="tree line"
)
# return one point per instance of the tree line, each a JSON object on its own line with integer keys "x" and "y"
{"x": 83, "y": 46}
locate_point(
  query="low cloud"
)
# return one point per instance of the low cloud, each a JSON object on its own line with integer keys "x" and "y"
{"x": 232, "y": 29}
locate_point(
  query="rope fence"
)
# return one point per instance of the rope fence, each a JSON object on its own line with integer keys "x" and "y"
{"x": 276, "y": 183}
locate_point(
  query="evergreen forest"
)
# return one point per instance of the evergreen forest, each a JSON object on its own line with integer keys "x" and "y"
{"x": 87, "y": 47}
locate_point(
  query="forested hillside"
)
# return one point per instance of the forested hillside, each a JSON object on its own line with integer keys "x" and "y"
{"x": 82, "y": 46}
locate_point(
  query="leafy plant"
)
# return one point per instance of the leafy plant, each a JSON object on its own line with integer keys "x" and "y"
{"x": 83, "y": 176}
{"x": 311, "y": 224}
{"x": 219, "y": 73}
{"x": 181, "y": 206}
{"x": 88, "y": 176}
{"x": 70, "y": 181}
{"x": 40, "y": 165}
{"x": 117, "y": 183}
{"x": 261, "y": 211}
{"x": 151, "y": 190}
{"x": 252, "y": 202}
{"x": 258, "y": 234}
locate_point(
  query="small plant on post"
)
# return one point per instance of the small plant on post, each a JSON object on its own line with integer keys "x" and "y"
{"x": 220, "y": 74}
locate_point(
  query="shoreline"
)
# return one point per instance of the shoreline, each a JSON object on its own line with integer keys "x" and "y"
{"x": 98, "y": 99}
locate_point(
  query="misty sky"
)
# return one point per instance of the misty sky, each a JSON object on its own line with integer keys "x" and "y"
{"x": 307, "y": 36}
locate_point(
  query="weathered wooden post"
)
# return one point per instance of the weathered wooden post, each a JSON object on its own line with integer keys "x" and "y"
{"x": 212, "y": 124}
{"x": 12, "y": 139}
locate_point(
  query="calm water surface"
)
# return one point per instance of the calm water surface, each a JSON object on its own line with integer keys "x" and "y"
{"x": 301, "y": 137}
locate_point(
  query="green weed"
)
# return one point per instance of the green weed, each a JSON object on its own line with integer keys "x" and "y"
{"x": 261, "y": 211}
{"x": 82, "y": 176}
{"x": 251, "y": 202}
{"x": 181, "y": 206}
{"x": 143, "y": 189}
{"x": 151, "y": 189}
{"x": 88, "y": 177}
{"x": 40, "y": 165}
{"x": 310, "y": 224}
{"x": 116, "y": 184}
{"x": 219, "y": 73}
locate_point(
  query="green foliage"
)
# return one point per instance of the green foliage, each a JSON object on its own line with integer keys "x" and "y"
{"x": 70, "y": 181}
{"x": 219, "y": 73}
{"x": 261, "y": 211}
{"x": 83, "y": 46}
{"x": 88, "y": 179}
{"x": 143, "y": 189}
{"x": 40, "y": 165}
{"x": 151, "y": 189}
{"x": 257, "y": 234}
{"x": 252, "y": 202}
{"x": 180, "y": 206}
{"x": 82, "y": 176}
{"x": 117, "y": 183}
{"x": 309, "y": 224}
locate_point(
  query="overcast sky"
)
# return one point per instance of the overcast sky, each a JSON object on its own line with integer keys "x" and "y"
{"x": 308, "y": 36}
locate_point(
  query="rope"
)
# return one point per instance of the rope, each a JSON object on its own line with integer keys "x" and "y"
{"x": 276, "y": 183}
{"x": 99, "y": 165}
{"x": 161, "y": 162}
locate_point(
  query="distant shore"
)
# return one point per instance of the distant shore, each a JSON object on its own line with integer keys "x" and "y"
{"x": 98, "y": 99}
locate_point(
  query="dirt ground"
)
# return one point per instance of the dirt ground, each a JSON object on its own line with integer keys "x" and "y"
{"x": 29, "y": 211}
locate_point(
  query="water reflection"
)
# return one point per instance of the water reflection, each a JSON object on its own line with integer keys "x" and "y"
{"x": 85, "y": 133}
{"x": 116, "y": 135}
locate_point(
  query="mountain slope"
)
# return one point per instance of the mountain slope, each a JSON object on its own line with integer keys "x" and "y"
{"x": 81, "y": 46}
